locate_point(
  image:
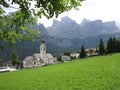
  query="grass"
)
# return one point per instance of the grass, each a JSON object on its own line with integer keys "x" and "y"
{"x": 95, "y": 73}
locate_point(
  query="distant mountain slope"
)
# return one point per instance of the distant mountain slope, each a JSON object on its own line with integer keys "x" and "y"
{"x": 67, "y": 28}
{"x": 42, "y": 29}
{"x": 64, "y": 29}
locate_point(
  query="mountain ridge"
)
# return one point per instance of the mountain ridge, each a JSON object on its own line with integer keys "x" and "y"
{"x": 68, "y": 28}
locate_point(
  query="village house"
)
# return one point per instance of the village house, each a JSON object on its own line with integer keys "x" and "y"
{"x": 65, "y": 58}
{"x": 75, "y": 55}
{"x": 91, "y": 52}
{"x": 7, "y": 67}
{"x": 39, "y": 59}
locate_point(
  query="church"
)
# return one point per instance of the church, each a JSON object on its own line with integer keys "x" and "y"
{"x": 39, "y": 59}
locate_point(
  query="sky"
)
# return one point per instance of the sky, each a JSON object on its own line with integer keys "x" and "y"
{"x": 106, "y": 10}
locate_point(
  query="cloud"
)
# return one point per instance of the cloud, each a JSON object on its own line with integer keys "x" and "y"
{"x": 105, "y": 10}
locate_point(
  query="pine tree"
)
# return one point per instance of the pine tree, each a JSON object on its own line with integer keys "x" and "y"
{"x": 82, "y": 53}
{"x": 114, "y": 45}
{"x": 0, "y": 62}
{"x": 101, "y": 47}
{"x": 14, "y": 58}
{"x": 110, "y": 47}
{"x": 117, "y": 45}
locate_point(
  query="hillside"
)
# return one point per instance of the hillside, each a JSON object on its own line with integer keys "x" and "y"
{"x": 96, "y": 73}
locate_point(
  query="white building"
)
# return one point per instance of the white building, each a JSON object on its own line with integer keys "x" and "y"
{"x": 39, "y": 59}
{"x": 65, "y": 58}
{"x": 75, "y": 55}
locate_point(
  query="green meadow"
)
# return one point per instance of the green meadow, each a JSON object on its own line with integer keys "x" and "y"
{"x": 94, "y": 73}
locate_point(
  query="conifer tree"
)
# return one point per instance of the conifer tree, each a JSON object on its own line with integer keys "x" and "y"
{"x": 0, "y": 62}
{"x": 117, "y": 45}
{"x": 14, "y": 58}
{"x": 101, "y": 47}
{"x": 110, "y": 47}
{"x": 82, "y": 52}
{"x": 114, "y": 45}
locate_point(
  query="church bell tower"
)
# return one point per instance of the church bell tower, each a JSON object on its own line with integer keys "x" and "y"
{"x": 42, "y": 50}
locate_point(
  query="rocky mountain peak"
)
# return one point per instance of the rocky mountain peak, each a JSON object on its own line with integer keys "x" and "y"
{"x": 68, "y": 28}
{"x": 84, "y": 21}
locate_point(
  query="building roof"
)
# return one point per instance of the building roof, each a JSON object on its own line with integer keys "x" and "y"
{"x": 36, "y": 56}
{"x": 65, "y": 58}
{"x": 48, "y": 55}
{"x": 28, "y": 58}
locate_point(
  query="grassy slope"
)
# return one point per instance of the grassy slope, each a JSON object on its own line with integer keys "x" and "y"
{"x": 96, "y": 73}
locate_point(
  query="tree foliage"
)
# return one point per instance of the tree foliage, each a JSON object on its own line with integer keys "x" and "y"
{"x": 110, "y": 47}
{"x": 47, "y": 8}
{"x": 14, "y": 26}
{"x": 1, "y": 62}
{"x": 101, "y": 47}
{"x": 82, "y": 52}
{"x": 14, "y": 58}
{"x": 113, "y": 45}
